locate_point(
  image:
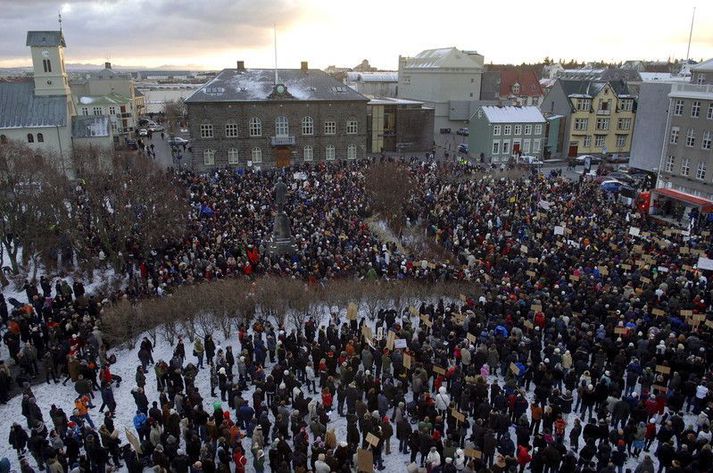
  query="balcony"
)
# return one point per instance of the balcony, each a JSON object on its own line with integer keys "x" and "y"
{"x": 282, "y": 140}
{"x": 603, "y": 112}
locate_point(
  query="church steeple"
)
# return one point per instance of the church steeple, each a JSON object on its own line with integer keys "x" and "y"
{"x": 47, "y": 49}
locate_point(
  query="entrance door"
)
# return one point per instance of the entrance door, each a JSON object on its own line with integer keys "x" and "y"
{"x": 282, "y": 156}
{"x": 572, "y": 151}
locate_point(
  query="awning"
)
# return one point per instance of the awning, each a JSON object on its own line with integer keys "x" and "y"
{"x": 705, "y": 205}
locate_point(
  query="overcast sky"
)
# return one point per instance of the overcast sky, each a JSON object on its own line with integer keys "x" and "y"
{"x": 213, "y": 34}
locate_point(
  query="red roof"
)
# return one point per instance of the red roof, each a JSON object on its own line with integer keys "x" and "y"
{"x": 528, "y": 80}
{"x": 705, "y": 204}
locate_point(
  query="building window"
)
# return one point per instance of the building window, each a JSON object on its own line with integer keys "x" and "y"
{"x": 599, "y": 141}
{"x": 581, "y": 124}
{"x": 233, "y": 156}
{"x": 307, "y": 126}
{"x": 256, "y": 155}
{"x": 710, "y": 112}
{"x": 536, "y": 145}
{"x": 329, "y": 153}
{"x": 206, "y": 130}
{"x": 587, "y": 141}
{"x": 678, "y": 108}
{"x": 496, "y": 130}
{"x": 40, "y": 138}
{"x": 308, "y": 153}
{"x": 507, "y": 129}
{"x": 685, "y": 169}
{"x": 674, "y": 135}
{"x": 669, "y": 163}
{"x": 620, "y": 141}
{"x": 112, "y": 110}
{"x": 706, "y": 140}
{"x": 97, "y": 111}
{"x": 3, "y": 140}
{"x": 85, "y": 111}
{"x": 46, "y": 65}
{"x": 626, "y": 105}
{"x": 506, "y": 146}
{"x": 701, "y": 79}
{"x": 538, "y": 129}
{"x": 282, "y": 126}
{"x": 528, "y": 129}
{"x": 208, "y": 157}
{"x": 701, "y": 170}
{"x": 330, "y": 127}
{"x": 352, "y": 127}
{"x": 584, "y": 105}
{"x": 518, "y": 130}
{"x": 231, "y": 130}
{"x": 255, "y": 127}
{"x": 691, "y": 137}
{"x": 526, "y": 146}
{"x": 30, "y": 138}
{"x": 623, "y": 124}
{"x": 351, "y": 152}
{"x": 496, "y": 147}
{"x": 696, "y": 109}
{"x": 602, "y": 124}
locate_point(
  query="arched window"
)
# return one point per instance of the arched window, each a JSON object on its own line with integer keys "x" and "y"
{"x": 255, "y": 127}
{"x": 231, "y": 130}
{"x": 47, "y": 65}
{"x": 256, "y": 155}
{"x": 282, "y": 126}
{"x": 233, "y": 156}
{"x": 30, "y": 138}
{"x": 3, "y": 140}
{"x": 209, "y": 157}
{"x": 329, "y": 153}
{"x": 308, "y": 153}
{"x": 351, "y": 152}
{"x": 307, "y": 126}
{"x": 40, "y": 138}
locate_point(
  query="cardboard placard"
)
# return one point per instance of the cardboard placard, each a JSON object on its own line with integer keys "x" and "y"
{"x": 603, "y": 270}
{"x": 413, "y": 311}
{"x": 687, "y": 267}
{"x": 559, "y": 230}
{"x": 663, "y": 369}
{"x": 658, "y": 387}
{"x": 400, "y": 343}
{"x": 463, "y": 298}
{"x": 573, "y": 277}
{"x": 471, "y": 338}
{"x": 472, "y": 453}
{"x": 645, "y": 280}
{"x": 532, "y": 260}
{"x": 536, "y": 308}
{"x": 640, "y": 263}
{"x": 390, "y": 338}
{"x": 372, "y": 439}
{"x": 634, "y": 231}
{"x": 699, "y": 317}
{"x": 658, "y": 312}
{"x": 686, "y": 313}
{"x": 515, "y": 370}
{"x": 625, "y": 266}
{"x": 529, "y": 325}
{"x": 523, "y": 249}
{"x": 532, "y": 274}
{"x": 684, "y": 250}
{"x": 705, "y": 263}
{"x": 637, "y": 248}
{"x": 439, "y": 370}
{"x": 352, "y": 311}
{"x": 407, "y": 361}
{"x": 459, "y": 416}
{"x": 426, "y": 321}
{"x": 366, "y": 331}
{"x": 380, "y": 333}
{"x": 709, "y": 323}
{"x": 621, "y": 330}
{"x": 365, "y": 461}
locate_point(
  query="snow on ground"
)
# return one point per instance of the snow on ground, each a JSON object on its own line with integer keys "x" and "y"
{"x": 127, "y": 361}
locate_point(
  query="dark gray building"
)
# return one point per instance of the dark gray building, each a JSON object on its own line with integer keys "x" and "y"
{"x": 650, "y": 126}
{"x": 266, "y": 117}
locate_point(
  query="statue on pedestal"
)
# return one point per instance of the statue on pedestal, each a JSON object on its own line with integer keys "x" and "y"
{"x": 281, "y": 241}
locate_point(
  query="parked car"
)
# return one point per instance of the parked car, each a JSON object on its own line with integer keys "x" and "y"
{"x": 623, "y": 177}
{"x": 463, "y": 148}
{"x": 132, "y": 144}
{"x": 583, "y": 159}
{"x": 143, "y": 132}
{"x": 463, "y": 132}
{"x": 177, "y": 141}
{"x": 530, "y": 161}
{"x": 445, "y": 131}
{"x": 154, "y": 128}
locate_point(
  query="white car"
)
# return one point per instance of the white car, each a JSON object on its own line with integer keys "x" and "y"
{"x": 143, "y": 132}
{"x": 530, "y": 161}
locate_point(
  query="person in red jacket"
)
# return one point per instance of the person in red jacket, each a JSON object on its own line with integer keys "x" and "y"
{"x": 239, "y": 459}
{"x": 327, "y": 399}
{"x": 523, "y": 457}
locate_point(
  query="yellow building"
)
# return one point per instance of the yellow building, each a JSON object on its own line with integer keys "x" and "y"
{"x": 599, "y": 116}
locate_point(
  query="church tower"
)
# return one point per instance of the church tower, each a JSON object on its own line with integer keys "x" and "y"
{"x": 47, "y": 49}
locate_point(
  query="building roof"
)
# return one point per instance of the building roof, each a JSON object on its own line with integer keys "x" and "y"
{"x": 21, "y": 108}
{"x": 590, "y": 88}
{"x": 705, "y": 204}
{"x": 392, "y": 101}
{"x": 45, "y": 38}
{"x": 529, "y": 84}
{"x": 90, "y": 126}
{"x": 686, "y": 90}
{"x": 496, "y": 114}
{"x": 444, "y": 58}
{"x": 705, "y": 66}
{"x": 381, "y": 76}
{"x": 613, "y": 73}
{"x": 111, "y": 99}
{"x": 257, "y": 85}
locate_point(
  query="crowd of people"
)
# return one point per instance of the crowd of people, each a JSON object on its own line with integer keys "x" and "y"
{"x": 583, "y": 345}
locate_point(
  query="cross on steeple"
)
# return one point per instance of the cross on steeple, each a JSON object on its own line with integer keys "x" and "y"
{"x": 59, "y": 19}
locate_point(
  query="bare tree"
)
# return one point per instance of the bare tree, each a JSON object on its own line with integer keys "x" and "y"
{"x": 175, "y": 113}
{"x": 388, "y": 185}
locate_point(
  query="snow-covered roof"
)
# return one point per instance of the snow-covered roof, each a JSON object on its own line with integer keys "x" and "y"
{"x": 513, "y": 114}
{"x": 705, "y": 66}
{"x": 444, "y": 58}
{"x": 392, "y": 101}
{"x": 381, "y": 76}
{"x": 257, "y": 85}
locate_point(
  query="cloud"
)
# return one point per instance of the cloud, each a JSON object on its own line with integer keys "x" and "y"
{"x": 173, "y": 29}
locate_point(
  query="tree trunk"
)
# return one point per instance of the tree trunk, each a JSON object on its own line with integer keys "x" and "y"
{"x": 12, "y": 255}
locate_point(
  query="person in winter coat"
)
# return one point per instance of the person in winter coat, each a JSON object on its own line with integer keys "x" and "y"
{"x": 443, "y": 400}
{"x": 403, "y": 432}
{"x": 199, "y": 351}
{"x": 523, "y": 457}
{"x": 259, "y": 461}
{"x": 18, "y": 438}
{"x": 433, "y": 461}
{"x": 320, "y": 466}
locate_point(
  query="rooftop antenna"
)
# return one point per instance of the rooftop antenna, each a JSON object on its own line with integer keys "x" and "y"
{"x": 274, "y": 29}
{"x": 59, "y": 19}
{"x": 690, "y": 35}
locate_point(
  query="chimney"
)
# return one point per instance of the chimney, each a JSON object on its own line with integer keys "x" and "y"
{"x": 107, "y": 65}
{"x": 303, "y": 66}
{"x": 241, "y": 66}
